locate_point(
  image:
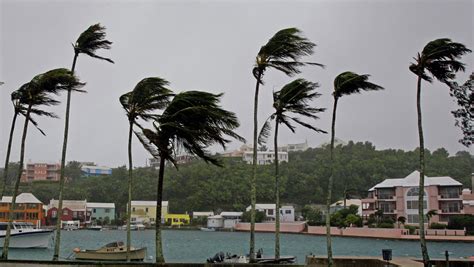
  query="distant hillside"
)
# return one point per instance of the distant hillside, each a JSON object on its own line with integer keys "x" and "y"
{"x": 198, "y": 186}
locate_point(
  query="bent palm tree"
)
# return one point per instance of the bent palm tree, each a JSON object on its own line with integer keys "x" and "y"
{"x": 193, "y": 120}
{"x": 19, "y": 108}
{"x": 88, "y": 42}
{"x": 37, "y": 93}
{"x": 440, "y": 59}
{"x": 430, "y": 215}
{"x": 282, "y": 52}
{"x": 148, "y": 95}
{"x": 346, "y": 83}
{"x": 293, "y": 98}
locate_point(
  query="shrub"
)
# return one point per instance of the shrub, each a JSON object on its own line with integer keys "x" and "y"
{"x": 461, "y": 222}
{"x": 411, "y": 229}
{"x": 259, "y": 216}
{"x": 438, "y": 226}
{"x": 385, "y": 225}
{"x": 313, "y": 215}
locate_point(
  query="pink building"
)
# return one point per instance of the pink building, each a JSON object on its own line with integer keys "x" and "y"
{"x": 399, "y": 197}
{"x": 41, "y": 172}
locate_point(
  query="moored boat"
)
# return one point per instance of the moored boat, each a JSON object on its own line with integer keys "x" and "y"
{"x": 24, "y": 235}
{"x": 206, "y": 229}
{"x": 115, "y": 251}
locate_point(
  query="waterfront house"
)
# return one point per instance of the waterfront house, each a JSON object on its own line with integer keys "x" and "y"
{"x": 399, "y": 197}
{"x": 41, "y": 172}
{"x": 101, "y": 211}
{"x": 198, "y": 214}
{"x": 73, "y": 210}
{"x": 177, "y": 219}
{"x": 215, "y": 221}
{"x": 88, "y": 170}
{"x": 287, "y": 213}
{"x": 145, "y": 211}
{"x": 28, "y": 209}
{"x": 231, "y": 218}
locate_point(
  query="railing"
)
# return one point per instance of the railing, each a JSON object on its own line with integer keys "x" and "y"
{"x": 450, "y": 195}
{"x": 385, "y": 196}
{"x": 450, "y": 210}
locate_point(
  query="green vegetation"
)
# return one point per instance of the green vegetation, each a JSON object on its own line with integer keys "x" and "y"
{"x": 346, "y": 217}
{"x": 259, "y": 216}
{"x": 461, "y": 222}
{"x": 438, "y": 226}
{"x": 312, "y": 215}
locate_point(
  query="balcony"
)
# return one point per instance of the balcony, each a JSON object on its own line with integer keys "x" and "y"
{"x": 451, "y": 196}
{"x": 386, "y": 197}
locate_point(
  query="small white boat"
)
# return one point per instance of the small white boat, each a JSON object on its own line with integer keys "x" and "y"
{"x": 95, "y": 228}
{"x": 115, "y": 251}
{"x": 24, "y": 235}
{"x": 205, "y": 229}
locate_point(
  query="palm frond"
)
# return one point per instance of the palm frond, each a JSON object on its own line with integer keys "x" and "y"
{"x": 348, "y": 83}
{"x": 440, "y": 58}
{"x": 92, "y": 40}
{"x": 264, "y": 132}
{"x": 283, "y": 52}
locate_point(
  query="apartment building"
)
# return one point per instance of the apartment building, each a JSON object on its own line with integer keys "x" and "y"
{"x": 41, "y": 172}
{"x": 27, "y": 209}
{"x": 399, "y": 197}
{"x": 265, "y": 157}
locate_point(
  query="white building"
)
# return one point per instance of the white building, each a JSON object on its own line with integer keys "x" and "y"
{"x": 339, "y": 205}
{"x": 287, "y": 213}
{"x": 265, "y": 157}
{"x": 227, "y": 219}
{"x": 215, "y": 221}
{"x": 294, "y": 147}
{"x": 197, "y": 214}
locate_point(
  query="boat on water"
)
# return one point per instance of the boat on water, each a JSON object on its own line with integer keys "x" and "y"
{"x": 115, "y": 251}
{"x": 259, "y": 258}
{"x": 206, "y": 229}
{"x": 95, "y": 228}
{"x": 24, "y": 235}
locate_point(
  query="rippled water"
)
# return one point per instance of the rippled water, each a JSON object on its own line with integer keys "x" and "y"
{"x": 197, "y": 246}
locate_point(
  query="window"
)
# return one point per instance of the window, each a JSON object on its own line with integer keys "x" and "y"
{"x": 74, "y": 214}
{"x": 54, "y": 213}
{"x": 146, "y": 209}
{"x": 270, "y": 212}
{"x": 414, "y": 192}
{"x": 450, "y": 207}
{"x": 107, "y": 211}
{"x": 287, "y": 211}
{"x": 65, "y": 212}
{"x": 94, "y": 210}
{"x": 133, "y": 209}
{"x": 413, "y": 218}
{"x": 387, "y": 207}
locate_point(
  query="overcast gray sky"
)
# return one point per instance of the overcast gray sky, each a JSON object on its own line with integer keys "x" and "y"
{"x": 210, "y": 45}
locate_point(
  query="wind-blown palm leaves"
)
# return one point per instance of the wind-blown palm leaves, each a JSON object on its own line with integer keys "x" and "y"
{"x": 282, "y": 52}
{"x": 19, "y": 108}
{"x": 193, "y": 121}
{"x": 346, "y": 83}
{"x": 464, "y": 115}
{"x": 34, "y": 94}
{"x": 88, "y": 43}
{"x": 439, "y": 59}
{"x": 292, "y": 99}
{"x": 149, "y": 95}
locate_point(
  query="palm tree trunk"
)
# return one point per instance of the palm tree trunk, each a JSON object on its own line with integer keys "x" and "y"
{"x": 159, "y": 197}
{"x": 253, "y": 181}
{"x": 277, "y": 196}
{"x": 421, "y": 214}
{"x": 57, "y": 243}
{"x": 7, "y": 159}
{"x": 17, "y": 185}
{"x": 130, "y": 180}
{"x": 331, "y": 178}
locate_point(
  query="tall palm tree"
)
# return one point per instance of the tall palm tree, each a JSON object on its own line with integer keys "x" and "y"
{"x": 88, "y": 43}
{"x": 346, "y": 83}
{"x": 292, "y": 99}
{"x": 282, "y": 52}
{"x": 149, "y": 95}
{"x": 440, "y": 58}
{"x": 37, "y": 93}
{"x": 19, "y": 108}
{"x": 193, "y": 121}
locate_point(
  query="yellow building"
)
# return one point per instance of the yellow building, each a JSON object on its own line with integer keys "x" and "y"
{"x": 145, "y": 211}
{"x": 177, "y": 219}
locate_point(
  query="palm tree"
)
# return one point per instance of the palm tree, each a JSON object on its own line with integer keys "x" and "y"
{"x": 37, "y": 93}
{"x": 293, "y": 99}
{"x": 19, "y": 108}
{"x": 193, "y": 121}
{"x": 440, "y": 59}
{"x": 401, "y": 220}
{"x": 149, "y": 95}
{"x": 430, "y": 215}
{"x": 282, "y": 52}
{"x": 88, "y": 42}
{"x": 346, "y": 83}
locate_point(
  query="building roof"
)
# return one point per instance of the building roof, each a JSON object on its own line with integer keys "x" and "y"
{"x": 85, "y": 167}
{"x": 203, "y": 213}
{"x": 148, "y": 203}
{"x": 100, "y": 205}
{"x": 231, "y": 214}
{"x": 349, "y": 202}
{"x": 413, "y": 179}
{"x": 74, "y": 205}
{"x": 215, "y": 217}
{"x": 267, "y": 207}
{"x": 21, "y": 198}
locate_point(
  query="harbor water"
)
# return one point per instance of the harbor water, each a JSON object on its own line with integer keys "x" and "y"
{"x": 196, "y": 246}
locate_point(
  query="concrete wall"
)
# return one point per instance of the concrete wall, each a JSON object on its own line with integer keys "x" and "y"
{"x": 296, "y": 227}
{"x": 359, "y": 232}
